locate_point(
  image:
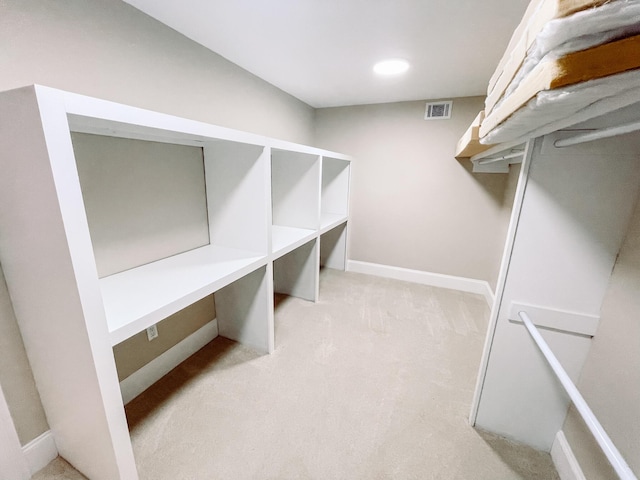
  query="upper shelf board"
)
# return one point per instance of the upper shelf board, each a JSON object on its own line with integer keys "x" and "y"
{"x": 102, "y": 117}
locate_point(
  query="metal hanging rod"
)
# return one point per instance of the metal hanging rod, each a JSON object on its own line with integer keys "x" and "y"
{"x": 598, "y": 134}
{"x": 486, "y": 161}
{"x": 613, "y": 455}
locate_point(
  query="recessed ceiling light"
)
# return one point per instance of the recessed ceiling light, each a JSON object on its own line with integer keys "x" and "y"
{"x": 394, "y": 66}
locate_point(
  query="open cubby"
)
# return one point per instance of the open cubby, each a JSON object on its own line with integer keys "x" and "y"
{"x": 296, "y": 273}
{"x": 144, "y": 200}
{"x": 245, "y": 310}
{"x": 169, "y": 224}
{"x": 333, "y": 248}
{"x": 169, "y": 210}
{"x": 335, "y": 192}
{"x": 237, "y": 195}
{"x": 295, "y": 197}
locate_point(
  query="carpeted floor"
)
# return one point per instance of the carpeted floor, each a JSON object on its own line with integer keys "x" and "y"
{"x": 374, "y": 381}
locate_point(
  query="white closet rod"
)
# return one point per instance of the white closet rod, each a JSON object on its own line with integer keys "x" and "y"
{"x": 598, "y": 134}
{"x": 613, "y": 455}
{"x": 499, "y": 159}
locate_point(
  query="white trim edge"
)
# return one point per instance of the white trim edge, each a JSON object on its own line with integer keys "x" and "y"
{"x": 140, "y": 380}
{"x": 463, "y": 284}
{"x": 514, "y": 221}
{"x": 564, "y": 460}
{"x": 40, "y": 451}
{"x": 572, "y": 322}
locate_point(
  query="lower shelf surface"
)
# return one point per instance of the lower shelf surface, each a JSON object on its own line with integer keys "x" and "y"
{"x": 138, "y": 298}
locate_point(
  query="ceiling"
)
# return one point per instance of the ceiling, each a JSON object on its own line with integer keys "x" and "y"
{"x": 323, "y": 51}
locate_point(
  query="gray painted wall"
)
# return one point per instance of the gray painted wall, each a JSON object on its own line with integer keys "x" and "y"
{"x": 110, "y": 50}
{"x": 610, "y": 378}
{"x": 412, "y": 204}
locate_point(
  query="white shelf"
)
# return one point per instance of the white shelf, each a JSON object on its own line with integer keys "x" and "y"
{"x": 136, "y": 299}
{"x": 329, "y": 221}
{"x": 286, "y": 239}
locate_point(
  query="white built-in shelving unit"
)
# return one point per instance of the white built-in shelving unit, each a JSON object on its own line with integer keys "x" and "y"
{"x": 273, "y": 211}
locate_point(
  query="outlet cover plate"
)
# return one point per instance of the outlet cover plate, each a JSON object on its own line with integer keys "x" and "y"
{"x": 152, "y": 332}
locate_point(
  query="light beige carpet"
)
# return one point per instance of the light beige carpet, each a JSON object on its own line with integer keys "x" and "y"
{"x": 374, "y": 381}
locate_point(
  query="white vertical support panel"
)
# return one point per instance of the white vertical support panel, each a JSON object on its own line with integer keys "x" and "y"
{"x": 502, "y": 276}
{"x": 244, "y": 310}
{"x": 297, "y": 273}
{"x": 575, "y": 211}
{"x": 269, "y": 192}
{"x": 295, "y": 187}
{"x": 333, "y": 248}
{"x": 237, "y": 177}
{"x": 46, "y": 253}
{"x": 270, "y": 308}
{"x": 13, "y": 465}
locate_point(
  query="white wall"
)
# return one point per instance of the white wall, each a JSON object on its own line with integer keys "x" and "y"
{"x": 413, "y": 205}
{"x": 107, "y": 49}
{"x": 610, "y": 378}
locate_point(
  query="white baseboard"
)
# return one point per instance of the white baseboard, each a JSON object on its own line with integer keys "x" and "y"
{"x": 140, "y": 380}
{"x": 12, "y": 460}
{"x": 565, "y": 462}
{"x": 463, "y": 284}
{"x": 40, "y": 451}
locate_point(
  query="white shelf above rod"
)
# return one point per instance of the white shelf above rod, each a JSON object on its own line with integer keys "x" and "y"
{"x": 487, "y": 161}
{"x": 499, "y": 149}
{"x": 598, "y": 134}
{"x": 613, "y": 455}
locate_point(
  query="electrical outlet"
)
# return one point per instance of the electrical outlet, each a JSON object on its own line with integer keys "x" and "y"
{"x": 152, "y": 332}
